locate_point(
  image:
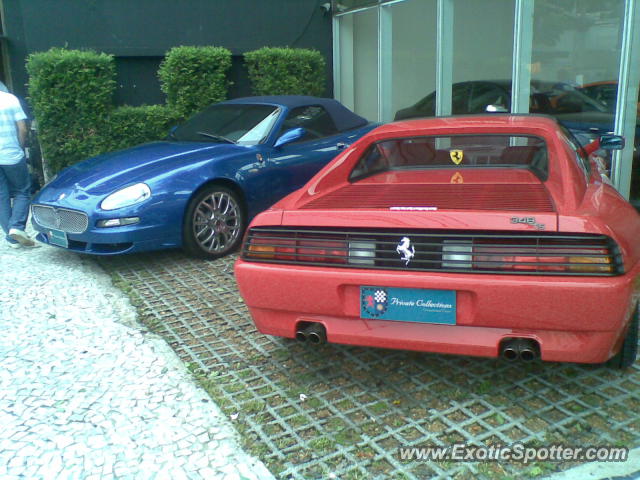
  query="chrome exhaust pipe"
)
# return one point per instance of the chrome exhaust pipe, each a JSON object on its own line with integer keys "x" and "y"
{"x": 529, "y": 350}
{"x": 316, "y": 333}
{"x": 527, "y": 355}
{"x": 524, "y": 349}
{"x": 311, "y": 332}
{"x": 509, "y": 350}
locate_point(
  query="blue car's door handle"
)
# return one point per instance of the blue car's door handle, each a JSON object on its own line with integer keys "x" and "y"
{"x": 341, "y": 145}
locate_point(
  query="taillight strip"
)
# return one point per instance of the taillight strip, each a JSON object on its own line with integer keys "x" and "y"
{"x": 465, "y": 251}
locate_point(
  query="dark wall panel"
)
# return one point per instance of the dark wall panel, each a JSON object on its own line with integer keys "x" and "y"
{"x": 138, "y": 81}
{"x": 238, "y": 75}
{"x": 148, "y": 28}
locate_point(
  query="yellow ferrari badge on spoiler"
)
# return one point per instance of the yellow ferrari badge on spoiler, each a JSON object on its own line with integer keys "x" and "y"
{"x": 456, "y": 156}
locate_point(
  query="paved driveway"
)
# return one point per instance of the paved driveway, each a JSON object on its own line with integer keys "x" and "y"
{"x": 343, "y": 412}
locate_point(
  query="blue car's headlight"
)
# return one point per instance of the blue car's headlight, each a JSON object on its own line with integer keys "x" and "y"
{"x": 126, "y": 197}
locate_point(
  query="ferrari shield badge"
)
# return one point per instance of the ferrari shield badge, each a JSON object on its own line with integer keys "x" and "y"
{"x": 406, "y": 250}
{"x": 374, "y": 301}
{"x": 457, "y": 178}
{"x": 456, "y": 156}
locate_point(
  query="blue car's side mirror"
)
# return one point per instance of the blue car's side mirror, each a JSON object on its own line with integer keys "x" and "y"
{"x": 290, "y": 136}
{"x": 172, "y": 131}
{"x": 611, "y": 142}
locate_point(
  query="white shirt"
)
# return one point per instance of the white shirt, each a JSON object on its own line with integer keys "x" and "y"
{"x": 10, "y": 112}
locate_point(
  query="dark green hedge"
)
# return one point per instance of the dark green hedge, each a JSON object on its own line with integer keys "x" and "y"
{"x": 194, "y": 77}
{"x": 130, "y": 126}
{"x": 286, "y": 71}
{"x": 71, "y": 93}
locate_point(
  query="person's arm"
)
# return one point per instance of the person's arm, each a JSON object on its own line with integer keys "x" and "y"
{"x": 22, "y": 132}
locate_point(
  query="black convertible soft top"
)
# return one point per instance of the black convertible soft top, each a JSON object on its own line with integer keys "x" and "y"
{"x": 343, "y": 118}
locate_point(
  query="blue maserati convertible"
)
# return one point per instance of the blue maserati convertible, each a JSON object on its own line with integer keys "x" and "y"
{"x": 199, "y": 188}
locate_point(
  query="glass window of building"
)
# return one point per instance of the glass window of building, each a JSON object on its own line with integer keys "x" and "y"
{"x": 413, "y": 51}
{"x": 576, "y": 52}
{"x": 564, "y": 58}
{"x": 358, "y": 62}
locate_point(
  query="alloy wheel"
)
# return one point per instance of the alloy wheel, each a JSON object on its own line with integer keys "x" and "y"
{"x": 217, "y": 222}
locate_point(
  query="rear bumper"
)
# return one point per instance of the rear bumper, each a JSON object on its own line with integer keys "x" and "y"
{"x": 574, "y": 319}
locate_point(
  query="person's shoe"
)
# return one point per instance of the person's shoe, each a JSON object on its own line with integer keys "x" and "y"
{"x": 21, "y": 237}
{"x": 12, "y": 244}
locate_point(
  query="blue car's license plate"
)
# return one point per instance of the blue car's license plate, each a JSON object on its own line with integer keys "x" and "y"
{"x": 57, "y": 237}
{"x": 408, "y": 305}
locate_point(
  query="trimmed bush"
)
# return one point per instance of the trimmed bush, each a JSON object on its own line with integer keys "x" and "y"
{"x": 194, "y": 77}
{"x": 130, "y": 126}
{"x": 71, "y": 93}
{"x": 286, "y": 71}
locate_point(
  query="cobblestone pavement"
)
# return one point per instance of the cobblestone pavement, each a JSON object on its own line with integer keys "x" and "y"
{"x": 86, "y": 392}
{"x": 336, "y": 411}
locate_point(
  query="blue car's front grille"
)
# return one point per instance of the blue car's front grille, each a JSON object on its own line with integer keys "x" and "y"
{"x": 70, "y": 221}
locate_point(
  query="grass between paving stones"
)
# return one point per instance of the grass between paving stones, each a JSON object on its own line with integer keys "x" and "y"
{"x": 359, "y": 405}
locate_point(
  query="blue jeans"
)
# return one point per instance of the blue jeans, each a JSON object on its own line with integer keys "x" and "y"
{"x": 15, "y": 182}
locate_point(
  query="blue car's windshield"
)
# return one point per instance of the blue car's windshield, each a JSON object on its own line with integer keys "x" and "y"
{"x": 229, "y": 123}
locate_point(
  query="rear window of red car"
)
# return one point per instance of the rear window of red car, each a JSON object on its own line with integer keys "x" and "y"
{"x": 457, "y": 151}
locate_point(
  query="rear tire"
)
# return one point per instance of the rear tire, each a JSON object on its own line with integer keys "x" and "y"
{"x": 214, "y": 223}
{"x": 629, "y": 349}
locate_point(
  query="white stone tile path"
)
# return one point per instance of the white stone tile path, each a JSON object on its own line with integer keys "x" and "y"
{"x": 87, "y": 393}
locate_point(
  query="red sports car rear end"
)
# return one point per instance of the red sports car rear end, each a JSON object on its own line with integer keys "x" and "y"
{"x": 486, "y": 235}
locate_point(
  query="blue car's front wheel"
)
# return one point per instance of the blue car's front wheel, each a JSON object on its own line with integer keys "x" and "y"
{"x": 214, "y": 223}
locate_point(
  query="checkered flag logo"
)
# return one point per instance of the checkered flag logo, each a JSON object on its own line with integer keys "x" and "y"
{"x": 373, "y": 301}
{"x": 380, "y": 296}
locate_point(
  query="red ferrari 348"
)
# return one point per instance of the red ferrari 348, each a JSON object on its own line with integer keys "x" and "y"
{"x": 480, "y": 235}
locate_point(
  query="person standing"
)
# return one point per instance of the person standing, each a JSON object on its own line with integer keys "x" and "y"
{"x": 15, "y": 180}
